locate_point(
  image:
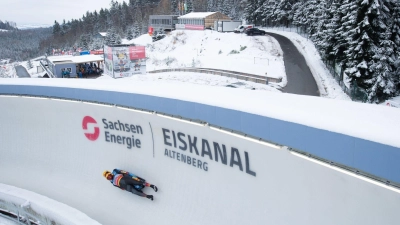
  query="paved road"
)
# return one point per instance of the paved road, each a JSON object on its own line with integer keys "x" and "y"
{"x": 299, "y": 77}
{"x": 21, "y": 72}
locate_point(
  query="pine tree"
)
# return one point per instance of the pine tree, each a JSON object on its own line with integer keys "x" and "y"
{"x": 97, "y": 43}
{"x": 395, "y": 38}
{"x": 268, "y": 9}
{"x": 252, "y": 11}
{"x": 283, "y": 10}
{"x": 56, "y": 28}
{"x": 329, "y": 39}
{"x": 226, "y": 7}
{"x": 118, "y": 39}
{"x": 189, "y": 6}
{"x": 85, "y": 41}
{"x": 319, "y": 16}
{"x": 298, "y": 12}
{"x": 313, "y": 11}
{"x": 111, "y": 38}
{"x": 347, "y": 28}
{"x": 136, "y": 30}
{"x": 174, "y": 7}
{"x": 318, "y": 27}
{"x": 129, "y": 34}
{"x": 369, "y": 49}
{"x": 211, "y": 5}
{"x": 126, "y": 18}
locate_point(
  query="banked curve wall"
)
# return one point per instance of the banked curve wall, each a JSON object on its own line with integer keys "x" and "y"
{"x": 59, "y": 148}
{"x": 373, "y": 158}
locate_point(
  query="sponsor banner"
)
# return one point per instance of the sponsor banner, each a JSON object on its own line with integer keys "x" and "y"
{"x": 115, "y": 132}
{"x": 125, "y": 61}
{"x": 58, "y": 52}
{"x": 109, "y": 53}
{"x": 108, "y": 63}
{"x": 194, "y": 27}
{"x": 96, "y": 52}
{"x": 180, "y": 145}
{"x": 137, "y": 52}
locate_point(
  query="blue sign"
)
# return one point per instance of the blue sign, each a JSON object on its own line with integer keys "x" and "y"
{"x": 85, "y": 53}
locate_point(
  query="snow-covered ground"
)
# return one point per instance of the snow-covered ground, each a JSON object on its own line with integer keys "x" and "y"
{"x": 210, "y": 49}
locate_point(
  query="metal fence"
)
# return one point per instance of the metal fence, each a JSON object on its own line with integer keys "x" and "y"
{"x": 226, "y": 73}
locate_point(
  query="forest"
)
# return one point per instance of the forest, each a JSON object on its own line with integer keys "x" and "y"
{"x": 20, "y": 45}
{"x": 359, "y": 38}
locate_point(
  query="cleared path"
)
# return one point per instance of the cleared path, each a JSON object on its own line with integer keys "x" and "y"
{"x": 299, "y": 77}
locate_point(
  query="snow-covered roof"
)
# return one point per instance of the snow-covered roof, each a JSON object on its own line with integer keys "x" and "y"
{"x": 75, "y": 59}
{"x": 196, "y": 15}
{"x": 103, "y": 34}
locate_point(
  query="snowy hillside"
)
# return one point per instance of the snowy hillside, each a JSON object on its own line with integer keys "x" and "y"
{"x": 210, "y": 49}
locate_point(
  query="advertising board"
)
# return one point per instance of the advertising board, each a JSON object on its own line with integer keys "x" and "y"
{"x": 194, "y": 27}
{"x": 124, "y": 61}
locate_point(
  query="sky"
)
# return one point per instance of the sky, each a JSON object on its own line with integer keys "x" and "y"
{"x": 37, "y": 12}
{"x": 183, "y": 48}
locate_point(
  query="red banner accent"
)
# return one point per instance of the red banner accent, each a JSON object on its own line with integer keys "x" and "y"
{"x": 97, "y": 52}
{"x": 137, "y": 52}
{"x": 194, "y": 27}
{"x": 109, "y": 53}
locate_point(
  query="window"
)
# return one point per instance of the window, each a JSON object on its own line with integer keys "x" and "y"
{"x": 66, "y": 71}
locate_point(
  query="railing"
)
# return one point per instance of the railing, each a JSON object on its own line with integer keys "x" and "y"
{"x": 20, "y": 213}
{"x": 45, "y": 67}
{"x": 226, "y": 73}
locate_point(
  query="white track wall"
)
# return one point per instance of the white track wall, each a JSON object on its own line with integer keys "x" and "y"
{"x": 44, "y": 149}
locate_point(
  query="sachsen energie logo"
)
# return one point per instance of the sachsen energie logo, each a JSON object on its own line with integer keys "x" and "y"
{"x": 115, "y": 132}
{"x": 91, "y": 136}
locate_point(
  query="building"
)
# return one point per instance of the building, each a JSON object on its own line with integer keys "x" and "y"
{"x": 200, "y": 20}
{"x": 100, "y": 35}
{"x": 55, "y": 65}
{"x": 163, "y": 22}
